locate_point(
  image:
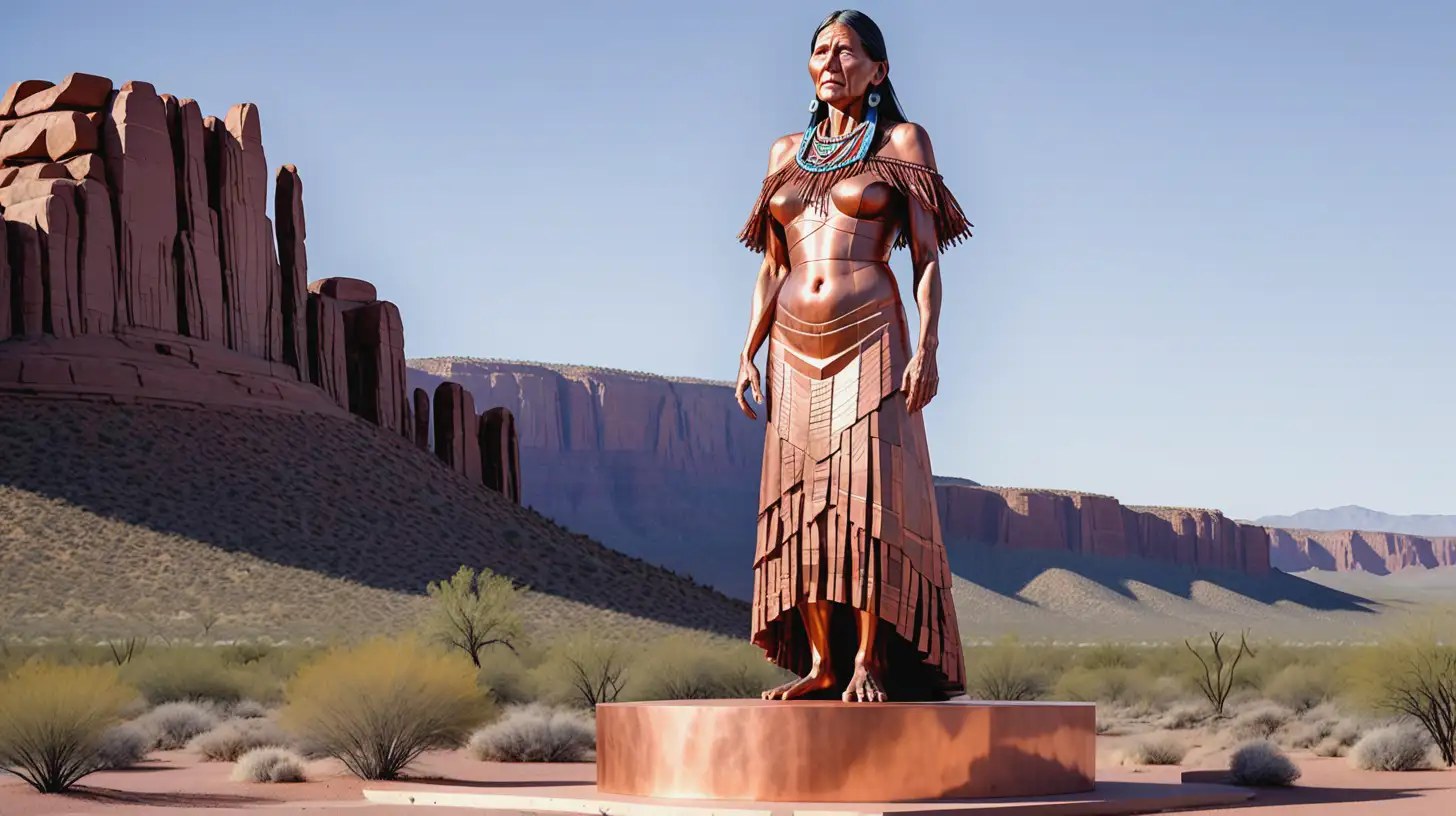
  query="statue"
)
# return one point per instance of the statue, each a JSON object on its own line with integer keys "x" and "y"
{"x": 852, "y": 591}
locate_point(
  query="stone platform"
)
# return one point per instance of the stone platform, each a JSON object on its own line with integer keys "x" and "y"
{"x": 1108, "y": 799}
{"x": 831, "y": 751}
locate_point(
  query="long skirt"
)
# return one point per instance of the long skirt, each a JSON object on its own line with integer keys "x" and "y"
{"x": 847, "y": 507}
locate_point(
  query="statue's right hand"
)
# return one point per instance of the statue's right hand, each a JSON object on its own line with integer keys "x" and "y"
{"x": 748, "y": 380}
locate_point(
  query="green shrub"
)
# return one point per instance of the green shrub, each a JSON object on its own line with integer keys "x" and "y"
{"x": 54, "y": 721}
{"x": 1005, "y": 671}
{"x": 190, "y": 673}
{"x": 379, "y": 705}
{"x": 699, "y": 667}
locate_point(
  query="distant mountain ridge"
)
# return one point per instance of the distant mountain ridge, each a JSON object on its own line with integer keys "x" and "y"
{"x": 1355, "y": 517}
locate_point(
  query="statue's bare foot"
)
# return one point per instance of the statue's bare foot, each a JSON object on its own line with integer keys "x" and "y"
{"x": 816, "y": 680}
{"x": 866, "y": 686}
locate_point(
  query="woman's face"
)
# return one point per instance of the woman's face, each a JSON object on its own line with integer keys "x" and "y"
{"x": 839, "y": 67}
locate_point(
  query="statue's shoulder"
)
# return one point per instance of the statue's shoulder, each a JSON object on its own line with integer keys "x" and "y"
{"x": 909, "y": 142}
{"x": 782, "y": 151}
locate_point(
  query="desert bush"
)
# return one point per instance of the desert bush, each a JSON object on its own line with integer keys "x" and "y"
{"x": 269, "y": 765}
{"x": 233, "y": 738}
{"x": 1341, "y": 738}
{"x": 1005, "y": 671}
{"x": 702, "y": 667}
{"x": 1261, "y": 764}
{"x": 1185, "y": 715}
{"x": 1109, "y": 656}
{"x": 1219, "y": 670}
{"x": 122, "y": 746}
{"x": 247, "y": 710}
{"x": 1260, "y": 723}
{"x": 1417, "y": 679}
{"x": 1300, "y": 687}
{"x": 1403, "y": 747}
{"x": 1118, "y": 685}
{"x": 53, "y": 720}
{"x": 473, "y": 612}
{"x": 173, "y": 725}
{"x": 188, "y": 673}
{"x": 379, "y": 705}
{"x": 1157, "y": 750}
{"x": 590, "y": 668}
{"x": 536, "y": 733}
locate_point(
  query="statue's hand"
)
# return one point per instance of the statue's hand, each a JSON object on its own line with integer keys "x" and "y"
{"x": 922, "y": 379}
{"x": 748, "y": 379}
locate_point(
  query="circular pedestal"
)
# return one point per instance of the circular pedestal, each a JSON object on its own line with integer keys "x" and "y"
{"x": 822, "y": 751}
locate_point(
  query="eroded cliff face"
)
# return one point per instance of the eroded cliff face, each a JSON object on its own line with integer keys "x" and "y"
{"x": 1348, "y": 550}
{"x": 1100, "y": 526}
{"x": 668, "y": 470}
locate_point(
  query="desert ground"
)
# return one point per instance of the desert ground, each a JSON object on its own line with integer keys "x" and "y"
{"x": 175, "y": 780}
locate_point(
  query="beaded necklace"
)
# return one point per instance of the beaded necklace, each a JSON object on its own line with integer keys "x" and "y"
{"x": 824, "y": 154}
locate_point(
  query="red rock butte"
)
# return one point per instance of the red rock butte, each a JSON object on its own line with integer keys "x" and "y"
{"x": 138, "y": 265}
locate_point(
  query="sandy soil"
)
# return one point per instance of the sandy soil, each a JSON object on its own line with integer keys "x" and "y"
{"x": 175, "y": 780}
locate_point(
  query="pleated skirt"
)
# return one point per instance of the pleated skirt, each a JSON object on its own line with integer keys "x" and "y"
{"x": 847, "y": 506}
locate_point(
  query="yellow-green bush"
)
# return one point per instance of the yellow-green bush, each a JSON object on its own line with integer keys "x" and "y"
{"x": 698, "y": 667}
{"x": 53, "y": 720}
{"x": 379, "y": 705}
{"x": 195, "y": 673}
{"x": 1008, "y": 670}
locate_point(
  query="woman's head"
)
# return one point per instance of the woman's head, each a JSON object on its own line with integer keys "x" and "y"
{"x": 847, "y": 60}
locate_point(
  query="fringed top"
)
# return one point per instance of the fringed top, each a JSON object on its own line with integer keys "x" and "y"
{"x": 910, "y": 179}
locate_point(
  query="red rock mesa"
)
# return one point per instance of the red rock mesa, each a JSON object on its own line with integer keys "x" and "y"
{"x": 138, "y": 264}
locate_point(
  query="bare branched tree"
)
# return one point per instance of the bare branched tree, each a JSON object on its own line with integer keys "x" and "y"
{"x": 596, "y": 669}
{"x": 1218, "y": 677}
{"x": 473, "y": 612}
{"x": 1419, "y": 681}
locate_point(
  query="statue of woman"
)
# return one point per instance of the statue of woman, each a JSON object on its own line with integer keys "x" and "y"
{"x": 852, "y": 591}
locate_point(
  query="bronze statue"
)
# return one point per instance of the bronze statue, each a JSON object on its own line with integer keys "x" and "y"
{"x": 852, "y": 591}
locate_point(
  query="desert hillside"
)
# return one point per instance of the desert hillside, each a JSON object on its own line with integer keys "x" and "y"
{"x": 287, "y": 525}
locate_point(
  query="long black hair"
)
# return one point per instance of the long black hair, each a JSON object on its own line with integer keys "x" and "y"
{"x": 874, "y": 46}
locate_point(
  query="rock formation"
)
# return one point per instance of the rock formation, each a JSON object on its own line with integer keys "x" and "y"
{"x": 667, "y": 470}
{"x": 138, "y": 264}
{"x": 1347, "y": 550}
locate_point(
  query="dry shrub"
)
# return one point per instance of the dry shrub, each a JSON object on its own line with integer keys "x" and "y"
{"x": 123, "y": 746}
{"x": 173, "y": 725}
{"x": 247, "y": 710}
{"x": 1157, "y": 750}
{"x": 1260, "y": 723}
{"x": 703, "y": 667}
{"x": 234, "y": 738}
{"x": 269, "y": 765}
{"x": 537, "y": 733}
{"x": 379, "y": 705}
{"x": 1341, "y": 738}
{"x": 53, "y": 720}
{"x": 1403, "y": 747}
{"x": 1186, "y": 715}
{"x": 1261, "y": 764}
{"x": 1005, "y": 671}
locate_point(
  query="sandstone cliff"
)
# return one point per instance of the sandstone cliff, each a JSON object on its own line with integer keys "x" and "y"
{"x": 1349, "y": 550}
{"x": 667, "y": 470}
{"x": 138, "y": 264}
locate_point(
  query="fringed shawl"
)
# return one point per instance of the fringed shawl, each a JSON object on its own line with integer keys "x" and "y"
{"x": 911, "y": 180}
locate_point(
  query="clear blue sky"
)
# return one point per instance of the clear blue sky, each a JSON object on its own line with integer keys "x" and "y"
{"x": 1213, "y": 261}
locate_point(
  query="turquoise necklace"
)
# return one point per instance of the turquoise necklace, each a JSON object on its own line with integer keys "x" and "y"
{"x": 825, "y": 154}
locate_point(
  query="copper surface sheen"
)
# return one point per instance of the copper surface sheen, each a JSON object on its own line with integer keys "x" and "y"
{"x": 832, "y": 751}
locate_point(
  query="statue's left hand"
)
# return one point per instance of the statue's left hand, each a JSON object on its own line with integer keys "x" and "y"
{"x": 922, "y": 379}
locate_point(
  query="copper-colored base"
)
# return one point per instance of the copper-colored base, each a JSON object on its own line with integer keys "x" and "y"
{"x": 822, "y": 751}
